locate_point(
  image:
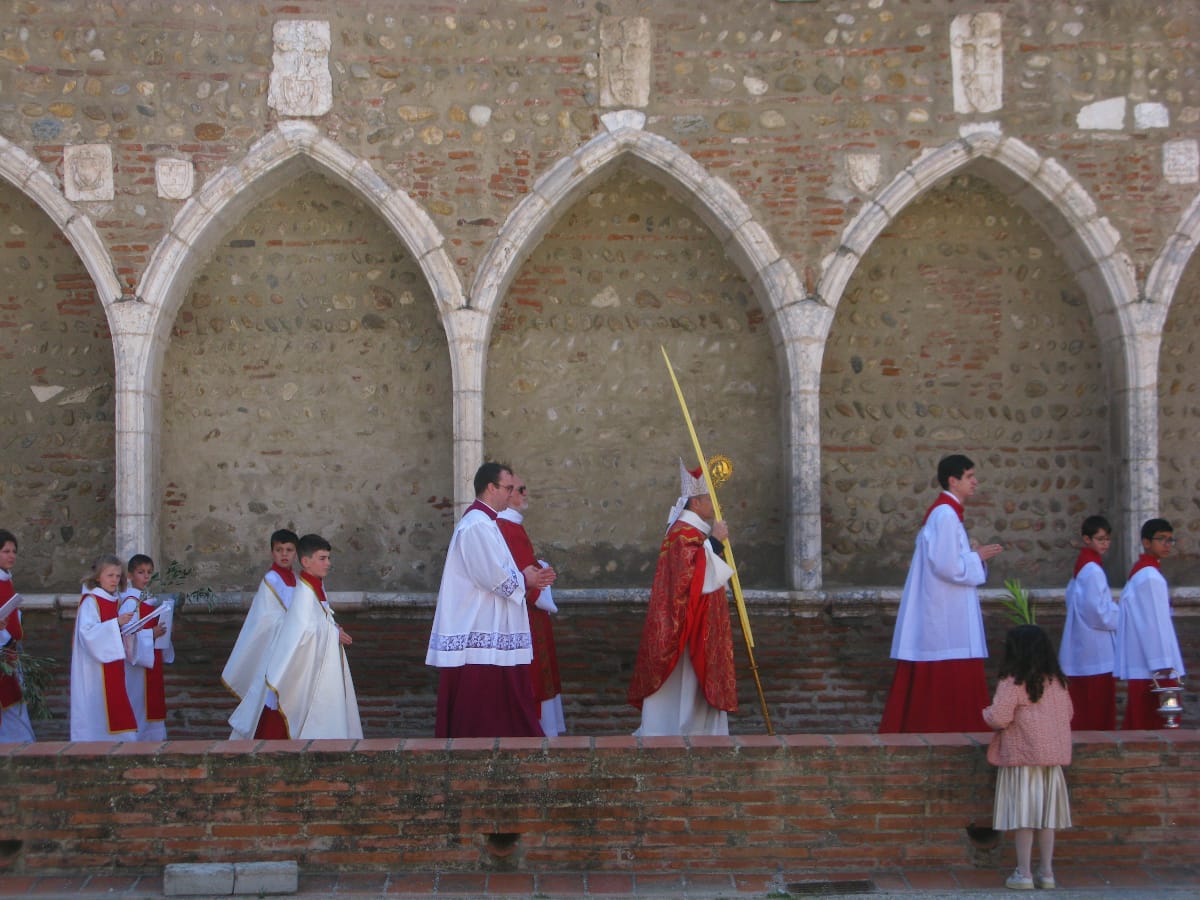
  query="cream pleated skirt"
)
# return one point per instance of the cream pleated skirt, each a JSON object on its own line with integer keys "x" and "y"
{"x": 1031, "y": 797}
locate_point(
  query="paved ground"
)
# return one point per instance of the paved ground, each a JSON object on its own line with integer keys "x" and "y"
{"x": 1125, "y": 881}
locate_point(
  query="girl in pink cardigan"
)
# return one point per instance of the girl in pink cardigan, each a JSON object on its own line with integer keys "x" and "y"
{"x": 1031, "y": 714}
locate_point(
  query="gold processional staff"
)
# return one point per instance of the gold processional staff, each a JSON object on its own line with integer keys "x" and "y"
{"x": 724, "y": 468}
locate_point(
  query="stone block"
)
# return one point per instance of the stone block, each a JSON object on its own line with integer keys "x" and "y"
{"x": 266, "y": 877}
{"x": 203, "y": 879}
{"x": 626, "y": 58}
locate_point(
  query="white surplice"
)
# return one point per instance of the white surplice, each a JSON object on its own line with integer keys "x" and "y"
{"x": 96, "y": 643}
{"x": 135, "y": 668}
{"x": 245, "y": 672}
{"x": 1146, "y": 641}
{"x": 309, "y": 673}
{"x": 481, "y": 617}
{"x": 1089, "y": 632}
{"x": 939, "y": 615}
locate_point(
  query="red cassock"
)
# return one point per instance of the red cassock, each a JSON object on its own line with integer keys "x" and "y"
{"x": 156, "y": 692}
{"x": 681, "y": 617}
{"x": 544, "y": 670}
{"x": 10, "y": 686}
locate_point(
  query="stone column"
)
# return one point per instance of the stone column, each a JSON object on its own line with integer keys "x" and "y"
{"x": 468, "y": 363}
{"x": 804, "y": 325}
{"x": 138, "y": 431}
{"x": 1134, "y": 422}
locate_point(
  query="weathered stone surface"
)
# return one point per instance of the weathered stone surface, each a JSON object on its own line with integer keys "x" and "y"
{"x": 751, "y": 110}
{"x": 968, "y": 347}
{"x": 977, "y": 57}
{"x": 300, "y": 81}
{"x": 88, "y": 172}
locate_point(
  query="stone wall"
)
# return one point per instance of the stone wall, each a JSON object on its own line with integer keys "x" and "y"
{"x": 307, "y": 385}
{"x": 962, "y": 328}
{"x": 513, "y": 204}
{"x": 56, "y": 397}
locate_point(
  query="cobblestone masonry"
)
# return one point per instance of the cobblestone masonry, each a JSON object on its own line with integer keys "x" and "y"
{"x": 315, "y": 260}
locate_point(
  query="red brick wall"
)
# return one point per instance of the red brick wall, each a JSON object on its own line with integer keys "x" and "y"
{"x": 750, "y": 803}
{"x": 824, "y": 669}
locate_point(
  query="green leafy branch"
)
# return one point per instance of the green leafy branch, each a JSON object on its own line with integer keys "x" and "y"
{"x": 36, "y": 676}
{"x": 1019, "y": 604}
{"x": 174, "y": 577}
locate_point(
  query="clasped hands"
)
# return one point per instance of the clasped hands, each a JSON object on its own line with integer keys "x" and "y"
{"x": 537, "y": 577}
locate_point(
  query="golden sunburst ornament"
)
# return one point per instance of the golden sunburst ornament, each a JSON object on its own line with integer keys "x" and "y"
{"x": 720, "y": 469}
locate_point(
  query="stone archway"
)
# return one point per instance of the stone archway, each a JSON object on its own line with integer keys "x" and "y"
{"x": 1092, "y": 250}
{"x": 777, "y": 287}
{"x": 293, "y": 148}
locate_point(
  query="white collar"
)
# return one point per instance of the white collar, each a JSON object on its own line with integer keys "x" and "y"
{"x": 695, "y": 521}
{"x": 511, "y": 515}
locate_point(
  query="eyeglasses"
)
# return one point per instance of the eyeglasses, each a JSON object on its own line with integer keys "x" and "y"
{"x": 1169, "y": 541}
{"x": 521, "y": 489}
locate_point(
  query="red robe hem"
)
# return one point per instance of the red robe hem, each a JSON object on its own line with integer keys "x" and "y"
{"x": 935, "y": 697}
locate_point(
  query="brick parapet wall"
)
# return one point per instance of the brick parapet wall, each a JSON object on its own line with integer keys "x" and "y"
{"x": 823, "y": 659}
{"x": 821, "y": 803}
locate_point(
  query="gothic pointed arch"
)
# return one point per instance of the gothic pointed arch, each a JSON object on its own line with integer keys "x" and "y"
{"x": 292, "y": 148}
{"x": 1090, "y": 245}
{"x": 1094, "y": 254}
{"x": 789, "y": 313}
{"x": 287, "y": 152}
{"x": 28, "y": 175}
{"x": 625, "y": 142}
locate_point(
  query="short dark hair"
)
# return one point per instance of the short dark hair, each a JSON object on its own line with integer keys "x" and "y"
{"x": 1092, "y": 524}
{"x": 6, "y": 536}
{"x": 489, "y": 473}
{"x": 284, "y": 536}
{"x": 310, "y": 544}
{"x": 1156, "y": 526}
{"x": 953, "y": 466}
{"x": 139, "y": 559}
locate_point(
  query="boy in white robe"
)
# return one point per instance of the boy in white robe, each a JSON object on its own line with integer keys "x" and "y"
{"x": 257, "y": 714}
{"x": 152, "y": 649}
{"x": 1147, "y": 647}
{"x": 306, "y": 665}
{"x": 1089, "y": 633}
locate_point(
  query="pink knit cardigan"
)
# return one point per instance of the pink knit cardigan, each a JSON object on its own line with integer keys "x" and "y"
{"x": 1030, "y": 734}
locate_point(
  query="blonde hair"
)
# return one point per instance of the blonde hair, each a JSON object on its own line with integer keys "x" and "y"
{"x": 91, "y": 582}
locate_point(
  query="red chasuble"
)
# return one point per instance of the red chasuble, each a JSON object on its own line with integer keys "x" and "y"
{"x": 156, "y": 693}
{"x": 544, "y": 671}
{"x": 681, "y": 618}
{"x": 116, "y": 700}
{"x": 10, "y": 687}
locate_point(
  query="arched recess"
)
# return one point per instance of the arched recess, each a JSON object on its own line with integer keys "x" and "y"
{"x": 774, "y": 280}
{"x": 58, "y": 367}
{"x": 1092, "y": 250}
{"x": 27, "y": 175}
{"x": 290, "y": 150}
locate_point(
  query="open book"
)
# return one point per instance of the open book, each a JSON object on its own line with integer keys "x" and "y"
{"x": 10, "y": 605}
{"x": 137, "y": 624}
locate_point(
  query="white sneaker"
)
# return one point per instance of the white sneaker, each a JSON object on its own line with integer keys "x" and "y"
{"x": 1018, "y": 882}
